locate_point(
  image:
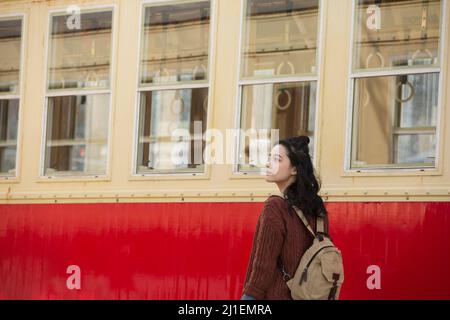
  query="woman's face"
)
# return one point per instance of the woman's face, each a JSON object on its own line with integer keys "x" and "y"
{"x": 279, "y": 167}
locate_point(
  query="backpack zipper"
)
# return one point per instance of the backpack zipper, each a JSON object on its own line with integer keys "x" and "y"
{"x": 304, "y": 276}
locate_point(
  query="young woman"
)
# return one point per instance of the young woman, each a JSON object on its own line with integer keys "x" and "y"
{"x": 281, "y": 238}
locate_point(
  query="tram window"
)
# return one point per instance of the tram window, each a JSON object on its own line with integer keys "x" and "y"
{"x": 10, "y": 63}
{"x": 78, "y": 94}
{"x": 79, "y": 58}
{"x": 174, "y": 88}
{"x": 396, "y": 75}
{"x": 77, "y": 134}
{"x": 278, "y": 76}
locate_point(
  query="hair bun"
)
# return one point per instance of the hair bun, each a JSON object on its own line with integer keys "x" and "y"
{"x": 300, "y": 143}
{"x": 304, "y": 140}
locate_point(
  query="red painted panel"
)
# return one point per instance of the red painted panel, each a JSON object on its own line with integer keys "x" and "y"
{"x": 200, "y": 250}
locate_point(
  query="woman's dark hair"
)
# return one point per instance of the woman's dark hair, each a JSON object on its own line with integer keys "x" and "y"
{"x": 303, "y": 193}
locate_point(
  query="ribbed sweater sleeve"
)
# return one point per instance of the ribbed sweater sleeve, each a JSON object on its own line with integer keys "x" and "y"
{"x": 267, "y": 244}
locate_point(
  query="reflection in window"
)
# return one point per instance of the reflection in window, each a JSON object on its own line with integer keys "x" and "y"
{"x": 280, "y": 38}
{"x": 10, "y": 45}
{"x": 163, "y": 115}
{"x": 289, "y": 107}
{"x": 77, "y": 124}
{"x": 9, "y": 118}
{"x": 395, "y": 117}
{"x": 279, "y": 41}
{"x": 77, "y": 130}
{"x": 175, "y": 52}
{"x": 10, "y": 63}
{"x": 411, "y": 101}
{"x": 80, "y": 58}
{"x": 397, "y": 33}
{"x": 175, "y": 43}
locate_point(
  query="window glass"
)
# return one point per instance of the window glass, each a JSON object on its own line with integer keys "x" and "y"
{"x": 175, "y": 43}
{"x": 10, "y": 64}
{"x": 289, "y": 107}
{"x": 80, "y": 53}
{"x": 173, "y": 121}
{"x": 398, "y": 33}
{"x": 77, "y": 134}
{"x": 280, "y": 38}
{"x": 167, "y": 140}
{"x": 395, "y": 120}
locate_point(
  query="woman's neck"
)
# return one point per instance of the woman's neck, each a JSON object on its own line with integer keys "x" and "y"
{"x": 282, "y": 186}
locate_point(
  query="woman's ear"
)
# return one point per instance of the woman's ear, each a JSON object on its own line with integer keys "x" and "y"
{"x": 294, "y": 171}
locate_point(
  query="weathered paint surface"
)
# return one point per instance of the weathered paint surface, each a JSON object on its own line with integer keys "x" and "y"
{"x": 200, "y": 250}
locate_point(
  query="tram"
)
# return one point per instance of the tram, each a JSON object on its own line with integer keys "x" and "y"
{"x": 128, "y": 132}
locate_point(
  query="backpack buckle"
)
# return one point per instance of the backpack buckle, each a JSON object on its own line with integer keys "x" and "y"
{"x": 286, "y": 276}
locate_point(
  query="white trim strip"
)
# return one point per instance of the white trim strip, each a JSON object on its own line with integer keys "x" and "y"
{"x": 175, "y": 87}
{"x": 394, "y": 72}
{"x": 78, "y": 92}
{"x": 277, "y": 80}
{"x": 10, "y": 97}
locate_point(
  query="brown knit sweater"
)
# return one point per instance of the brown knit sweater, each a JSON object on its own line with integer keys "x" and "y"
{"x": 278, "y": 234}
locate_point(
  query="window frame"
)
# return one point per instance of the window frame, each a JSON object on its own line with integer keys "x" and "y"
{"x": 353, "y": 75}
{"x": 23, "y": 47}
{"x": 240, "y": 83}
{"x": 48, "y": 93}
{"x": 139, "y": 89}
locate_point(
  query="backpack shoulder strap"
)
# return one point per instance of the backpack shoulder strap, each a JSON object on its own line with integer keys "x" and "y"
{"x": 320, "y": 225}
{"x": 304, "y": 220}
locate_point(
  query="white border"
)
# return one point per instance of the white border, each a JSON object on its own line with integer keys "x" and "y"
{"x": 394, "y": 71}
{"x": 54, "y": 93}
{"x": 176, "y": 86}
{"x": 23, "y": 47}
{"x": 235, "y": 173}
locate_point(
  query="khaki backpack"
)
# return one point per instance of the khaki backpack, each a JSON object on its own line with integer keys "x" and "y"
{"x": 320, "y": 274}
